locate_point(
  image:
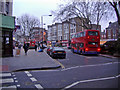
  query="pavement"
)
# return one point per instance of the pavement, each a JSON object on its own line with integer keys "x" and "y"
{"x": 34, "y": 60}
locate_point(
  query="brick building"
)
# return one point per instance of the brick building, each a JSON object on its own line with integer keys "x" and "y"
{"x": 63, "y": 31}
{"x": 112, "y": 30}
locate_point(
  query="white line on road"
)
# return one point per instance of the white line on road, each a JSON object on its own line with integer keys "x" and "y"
{"x": 33, "y": 79}
{"x": 70, "y": 68}
{"x": 38, "y": 86}
{"x": 18, "y": 85}
{"x": 26, "y": 72}
{"x": 29, "y": 75}
{"x": 83, "y": 81}
{"x": 13, "y": 75}
{"x": 16, "y": 80}
{"x": 6, "y": 80}
{"x": 90, "y": 65}
{"x": 12, "y": 87}
{"x": 117, "y": 76}
{"x": 5, "y": 74}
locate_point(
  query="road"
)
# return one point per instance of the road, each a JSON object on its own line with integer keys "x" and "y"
{"x": 78, "y": 71}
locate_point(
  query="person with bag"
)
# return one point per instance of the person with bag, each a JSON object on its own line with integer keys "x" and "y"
{"x": 26, "y": 47}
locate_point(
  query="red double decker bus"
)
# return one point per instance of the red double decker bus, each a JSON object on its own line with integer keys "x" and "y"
{"x": 86, "y": 42}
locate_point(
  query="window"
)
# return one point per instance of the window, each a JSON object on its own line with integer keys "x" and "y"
{"x": 73, "y": 36}
{"x": 92, "y": 43}
{"x": 82, "y": 34}
{"x": 92, "y": 33}
{"x": 1, "y": 7}
{"x": 7, "y": 7}
{"x": 81, "y": 44}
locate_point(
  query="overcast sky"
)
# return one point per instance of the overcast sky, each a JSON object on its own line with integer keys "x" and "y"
{"x": 38, "y": 8}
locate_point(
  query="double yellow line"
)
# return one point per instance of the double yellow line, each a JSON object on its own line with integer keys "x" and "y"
{"x": 60, "y": 64}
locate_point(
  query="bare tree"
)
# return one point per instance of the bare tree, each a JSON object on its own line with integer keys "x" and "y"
{"x": 88, "y": 12}
{"x": 116, "y": 5}
{"x": 27, "y": 22}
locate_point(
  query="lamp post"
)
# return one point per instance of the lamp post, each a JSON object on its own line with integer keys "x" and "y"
{"x": 42, "y": 27}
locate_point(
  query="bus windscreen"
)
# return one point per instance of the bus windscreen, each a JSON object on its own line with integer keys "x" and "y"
{"x": 93, "y": 33}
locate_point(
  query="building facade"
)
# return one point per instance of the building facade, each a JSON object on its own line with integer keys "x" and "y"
{"x": 39, "y": 34}
{"x": 7, "y": 25}
{"x": 59, "y": 27}
{"x": 112, "y": 31}
{"x": 49, "y": 33}
{"x": 6, "y": 7}
{"x": 63, "y": 31}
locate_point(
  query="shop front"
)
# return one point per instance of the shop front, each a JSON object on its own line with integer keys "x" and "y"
{"x": 7, "y": 25}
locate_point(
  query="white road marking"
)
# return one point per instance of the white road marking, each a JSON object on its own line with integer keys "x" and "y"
{"x": 18, "y": 85}
{"x": 38, "y": 86}
{"x": 16, "y": 80}
{"x": 29, "y": 75}
{"x": 117, "y": 76}
{"x": 90, "y": 65}
{"x": 70, "y": 68}
{"x": 13, "y": 75}
{"x": 6, "y": 80}
{"x": 33, "y": 79}
{"x": 13, "y": 87}
{"x": 5, "y": 74}
{"x": 83, "y": 81}
{"x": 26, "y": 72}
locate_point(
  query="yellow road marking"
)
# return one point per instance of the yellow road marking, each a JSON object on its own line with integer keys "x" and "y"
{"x": 60, "y": 64}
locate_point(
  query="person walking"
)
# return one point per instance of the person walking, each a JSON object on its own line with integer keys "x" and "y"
{"x": 35, "y": 47}
{"x": 26, "y": 47}
{"x": 38, "y": 45}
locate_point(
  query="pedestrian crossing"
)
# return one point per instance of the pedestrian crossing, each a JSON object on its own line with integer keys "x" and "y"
{"x": 7, "y": 81}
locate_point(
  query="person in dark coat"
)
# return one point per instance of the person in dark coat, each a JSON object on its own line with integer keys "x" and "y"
{"x": 26, "y": 47}
{"x": 35, "y": 47}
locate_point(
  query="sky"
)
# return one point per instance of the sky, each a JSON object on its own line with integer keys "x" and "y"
{"x": 39, "y": 8}
{"x": 36, "y": 8}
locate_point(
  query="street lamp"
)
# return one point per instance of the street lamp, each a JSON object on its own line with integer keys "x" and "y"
{"x": 42, "y": 27}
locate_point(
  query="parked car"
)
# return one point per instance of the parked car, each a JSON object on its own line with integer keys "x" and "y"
{"x": 58, "y": 52}
{"x": 48, "y": 50}
{"x": 109, "y": 47}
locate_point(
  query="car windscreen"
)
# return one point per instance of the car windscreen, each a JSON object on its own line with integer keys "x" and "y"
{"x": 57, "y": 48}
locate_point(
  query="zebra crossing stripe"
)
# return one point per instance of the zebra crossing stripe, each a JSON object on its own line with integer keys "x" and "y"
{"x": 33, "y": 79}
{"x": 10, "y": 87}
{"x": 5, "y": 74}
{"x": 6, "y": 80}
{"x": 38, "y": 86}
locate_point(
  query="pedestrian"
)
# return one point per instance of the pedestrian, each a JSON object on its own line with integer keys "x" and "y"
{"x": 19, "y": 46}
{"x": 26, "y": 47}
{"x": 35, "y": 47}
{"x": 38, "y": 45}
